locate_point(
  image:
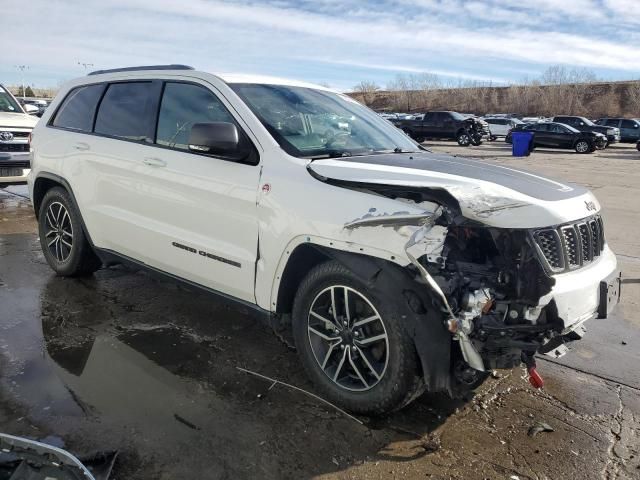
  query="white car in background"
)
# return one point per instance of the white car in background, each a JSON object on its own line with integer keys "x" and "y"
{"x": 500, "y": 126}
{"x": 15, "y": 132}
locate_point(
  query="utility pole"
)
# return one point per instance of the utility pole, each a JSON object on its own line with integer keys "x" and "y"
{"x": 22, "y": 68}
{"x": 85, "y": 65}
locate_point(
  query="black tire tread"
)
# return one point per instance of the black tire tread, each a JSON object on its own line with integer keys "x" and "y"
{"x": 83, "y": 259}
{"x": 408, "y": 382}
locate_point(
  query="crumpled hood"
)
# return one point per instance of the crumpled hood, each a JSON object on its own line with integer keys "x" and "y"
{"x": 495, "y": 195}
{"x": 17, "y": 120}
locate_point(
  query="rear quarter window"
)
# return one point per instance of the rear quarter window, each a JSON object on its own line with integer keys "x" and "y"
{"x": 78, "y": 108}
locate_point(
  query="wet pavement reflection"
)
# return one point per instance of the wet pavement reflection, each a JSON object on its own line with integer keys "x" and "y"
{"x": 152, "y": 366}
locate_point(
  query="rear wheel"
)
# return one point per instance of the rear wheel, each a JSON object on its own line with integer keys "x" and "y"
{"x": 582, "y": 146}
{"x": 63, "y": 242}
{"x": 352, "y": 342}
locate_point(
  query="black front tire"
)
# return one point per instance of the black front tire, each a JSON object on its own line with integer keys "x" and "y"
{"x": 63, "y": 242}
{"x": 463, "y": 138}
{"x": 583, "y": 146}
{"x": 400, "y": 381}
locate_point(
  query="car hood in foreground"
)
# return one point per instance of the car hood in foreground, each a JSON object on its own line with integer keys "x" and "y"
{"x": 17, "y": 120}
{"x": 495, "y": 195}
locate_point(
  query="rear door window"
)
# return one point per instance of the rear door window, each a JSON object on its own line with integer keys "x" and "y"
{"x": 184, "y": 105}
{"x": 78, "y": 108}
{"x": 128, "y": 110}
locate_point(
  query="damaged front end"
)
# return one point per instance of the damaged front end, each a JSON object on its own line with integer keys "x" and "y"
{"x": 488, "y": 283}
{"x": 505, "y": 264}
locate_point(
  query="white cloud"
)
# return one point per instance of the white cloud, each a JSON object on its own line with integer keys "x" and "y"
{"x": 478, "y": 39}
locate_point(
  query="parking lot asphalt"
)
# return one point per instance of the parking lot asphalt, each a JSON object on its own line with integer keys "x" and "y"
{"x": 122, "y": 361}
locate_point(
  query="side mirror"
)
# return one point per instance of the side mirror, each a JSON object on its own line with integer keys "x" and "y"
{"x": 31, "y": 109}
{"x": 218, "y": 138}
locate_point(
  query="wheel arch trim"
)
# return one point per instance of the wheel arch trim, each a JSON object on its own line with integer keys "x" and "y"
{"x": 64, "y": 184}
{"x": 422, "y": 320}
{"x": 330, "y": 248}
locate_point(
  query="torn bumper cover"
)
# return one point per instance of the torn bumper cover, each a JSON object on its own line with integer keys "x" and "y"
{"x": 493, "y": 293}
{"x": 21, "y": 458}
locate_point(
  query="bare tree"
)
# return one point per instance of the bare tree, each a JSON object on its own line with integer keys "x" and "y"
{"x": 367, "y": 91}
{"x": 559, "y": 90}
{"x": 633, "y": 99}
{"x": 564, "y": 90}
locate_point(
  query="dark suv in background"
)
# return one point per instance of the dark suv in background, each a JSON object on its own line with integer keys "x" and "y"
{"x": 445, "y": 125}
{"x": 585, "y": 125}
{"x": 629, "y": 127}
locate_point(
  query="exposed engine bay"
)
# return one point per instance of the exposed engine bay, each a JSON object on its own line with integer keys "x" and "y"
{"x": 491, "y": 281}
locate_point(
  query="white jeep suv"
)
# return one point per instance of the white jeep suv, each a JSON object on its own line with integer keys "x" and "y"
{"x": 15, "y": 128}
{"x": 394, "y": 269}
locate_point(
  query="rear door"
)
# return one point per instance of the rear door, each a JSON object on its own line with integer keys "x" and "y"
{"x": 629, "y": 130}
{"x": 559, "y": 136}
{"x": 541, "y": 135}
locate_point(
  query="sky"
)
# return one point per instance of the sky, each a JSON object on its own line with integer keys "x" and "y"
{"x": 334, "y": 42}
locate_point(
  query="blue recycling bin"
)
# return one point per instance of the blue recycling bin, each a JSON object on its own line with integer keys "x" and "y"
{"x": 521, "y": 143}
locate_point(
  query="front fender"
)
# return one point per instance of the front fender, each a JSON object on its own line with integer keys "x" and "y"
{"x": 399, "y": 258}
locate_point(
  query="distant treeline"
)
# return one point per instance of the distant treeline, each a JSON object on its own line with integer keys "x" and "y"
{"x": 32, "y": 91}
{"x": 558, "y": 91}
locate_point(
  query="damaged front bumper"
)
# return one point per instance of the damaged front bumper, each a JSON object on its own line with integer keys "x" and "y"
{"x": 502, "y": 337}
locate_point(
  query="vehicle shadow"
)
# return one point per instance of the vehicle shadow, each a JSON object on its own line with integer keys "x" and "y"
{"x": 136, "y": 353}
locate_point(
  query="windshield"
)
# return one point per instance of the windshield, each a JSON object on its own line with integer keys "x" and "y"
{"x": 459, "y": 116}
{"x": 7, "y": 103}
{"x": 587, "y": 122}
{"x": 314, "y": 123}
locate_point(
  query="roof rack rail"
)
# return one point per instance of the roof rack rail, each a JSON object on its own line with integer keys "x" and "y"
{"x": 143, "y": 67}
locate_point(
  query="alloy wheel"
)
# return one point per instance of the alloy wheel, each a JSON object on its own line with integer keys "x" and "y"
{"x": 348, "y": 338}
{"x": 582, "y": 147}
{"x": 59, "y": 231}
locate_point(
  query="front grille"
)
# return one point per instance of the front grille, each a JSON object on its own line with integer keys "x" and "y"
{"x": 18, "y": 134}
{"x": 571, "y": 246}
{"x": 20, "y": 164}
{"x": 14, "y": 147}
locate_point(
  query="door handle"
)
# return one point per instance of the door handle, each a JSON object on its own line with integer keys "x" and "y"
{"x": 82, "y": 146}
{"x": 154, "y": 162}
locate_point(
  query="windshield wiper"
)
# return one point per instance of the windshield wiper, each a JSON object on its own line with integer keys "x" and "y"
{"x": 331, "y": 154}
{"x": 395, "y": 150}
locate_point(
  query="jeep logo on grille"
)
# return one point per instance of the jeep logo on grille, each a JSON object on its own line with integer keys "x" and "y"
{"x": 6, "y": 136}
{"x": 591, "y": 206}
